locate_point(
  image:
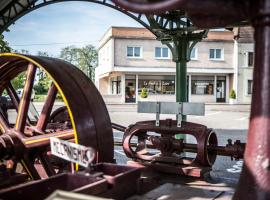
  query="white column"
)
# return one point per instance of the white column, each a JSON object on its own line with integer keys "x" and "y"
{"x": 228, "y": 88}
{"x": 189, "y": 88}
{"x": 235, "y": 66}
{"x": 137, "y": 87}
{"x": 215, "y": 88}
{"x": 123, "y": 88}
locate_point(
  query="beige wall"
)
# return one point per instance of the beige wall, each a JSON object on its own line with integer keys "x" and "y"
{"x": 103, "y": 86}
{"x": 203, "y": 55}
{"x": 105, "y": 58}
{"x": 245, "y": 73}
{"x": 148, "y": 54}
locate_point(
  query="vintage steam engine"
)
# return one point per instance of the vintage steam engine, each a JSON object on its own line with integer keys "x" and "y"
{"x": 29, "y": 169}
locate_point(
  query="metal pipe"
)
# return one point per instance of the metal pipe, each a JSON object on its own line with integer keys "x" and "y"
{"x": 192, "y": 148}
{"x": 118, "y": 127}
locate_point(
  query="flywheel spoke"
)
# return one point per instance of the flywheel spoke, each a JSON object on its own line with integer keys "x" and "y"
{"x": 29, "y": 167}
{"x": 46, "y": 164}
{"x": 3, "y": 123}
{"x": 47, "y": 108}
{"x": 13, "y": 95}
{"x": 25, "y": 100}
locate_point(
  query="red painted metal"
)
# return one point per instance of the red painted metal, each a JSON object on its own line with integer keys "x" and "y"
{"x": 105, "y": 180}
{"x": 168, "y": 158}
{"x": 255, "y": 178}
{"x": 27, "y": 142}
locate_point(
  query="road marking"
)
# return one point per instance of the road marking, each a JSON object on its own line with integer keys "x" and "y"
{"x": 242, "y": 118}
{"x": 237, "y": 168}
{"x": 214, "y": 113}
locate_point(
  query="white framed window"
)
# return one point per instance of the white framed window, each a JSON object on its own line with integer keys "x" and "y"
{"x": 134, "y": 52}
{"x": 194, "y": 54}
{"x": 249, "y": 87}
{"x": 162, "y": 53}
{"x": 216, "y": 54}
{"x": 250, "y": 57}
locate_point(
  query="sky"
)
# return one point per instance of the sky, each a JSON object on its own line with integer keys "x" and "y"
{"x": 53, "y": 27}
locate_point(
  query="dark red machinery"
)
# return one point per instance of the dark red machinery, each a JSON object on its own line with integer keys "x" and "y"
{"x": 168, "y": 155}
{"x": 26, "y": 141}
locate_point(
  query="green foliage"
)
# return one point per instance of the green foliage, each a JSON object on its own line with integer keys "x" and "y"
{"x": 18, "y": 81}
{"x": 4, "y": 46}
{"x": 232, "y": 94}
{"x": 84, "y": 58}
{"x": 40, "y": 97}
{"x": 22, "y": 51}
{"x": 43, "y": 84}
{"x": 144, "y": 93}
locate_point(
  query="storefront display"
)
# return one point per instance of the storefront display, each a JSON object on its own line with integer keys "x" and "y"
{"x": 130, "y": 89}
{"x": 157, "y": 84}
{"x": 202, "y": 85}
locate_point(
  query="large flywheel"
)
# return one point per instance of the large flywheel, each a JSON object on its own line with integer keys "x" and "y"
{"x": 26, "y": 140}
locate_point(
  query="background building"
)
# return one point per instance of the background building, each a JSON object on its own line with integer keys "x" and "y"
{"x": 244, "y": 48}
{"x": 131, "y": 59}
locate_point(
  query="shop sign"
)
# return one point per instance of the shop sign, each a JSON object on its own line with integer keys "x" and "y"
{"x": 72, "y": 152}
{"x": 201, "y": 84}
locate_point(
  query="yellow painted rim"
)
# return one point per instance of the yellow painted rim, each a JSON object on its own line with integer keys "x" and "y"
{"x": 58, "y": 88}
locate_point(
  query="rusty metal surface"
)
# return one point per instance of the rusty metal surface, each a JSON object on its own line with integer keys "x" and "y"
{"x": 105, "y": 180}
{"x": 255, "y": 178}
{"x": 203, "y": 14}
{"x": 158, "y": 149}
{"x": 26, "y": 141}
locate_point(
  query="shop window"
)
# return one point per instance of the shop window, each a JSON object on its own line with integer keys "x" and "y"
{"x": 134, "y": 52}
{"x": 202, "y": 85}
{"x": 157, "y": 84}
{"x": 250, "y": 59}
{"x": 216, "y": 54}
{"x": 194, "y": 54}
{"x": 161, "y": 52}
{"x": 250, "y": 86}
{"x": 130, "y": 89}
{"x": 116, "y": 85}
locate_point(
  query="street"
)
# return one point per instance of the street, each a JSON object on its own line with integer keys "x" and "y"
{"x": 229, "y": 122}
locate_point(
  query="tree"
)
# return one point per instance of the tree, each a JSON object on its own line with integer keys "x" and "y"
{"x": 84, "y": 58}
{"x": 43, "y": 81}
{"x": 4, "y": 46}
{"x": 22, "y": 51}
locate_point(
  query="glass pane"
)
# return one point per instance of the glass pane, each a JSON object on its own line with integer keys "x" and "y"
{"x": 212, "y": 53}
{"x": 250, "y": 58}
{"x": 165, "y": 52}
{"x": 218, "y": 53}
{"x": 157, "y": 52}
{"x": 192, "y": 54}
{"x": 130, "y": 91}
{"x": 201, "y": 85}
{"x": 137, "y": 52}
{"x": 250, "y": 86}
{"x": 130, "y": 51}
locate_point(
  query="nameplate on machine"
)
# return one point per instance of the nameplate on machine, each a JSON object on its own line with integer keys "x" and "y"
{"x": 72, "y": 152}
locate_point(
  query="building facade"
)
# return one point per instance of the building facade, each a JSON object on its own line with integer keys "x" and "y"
{"x": 244, "y": 49}
{"x": 131, "y": 60}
